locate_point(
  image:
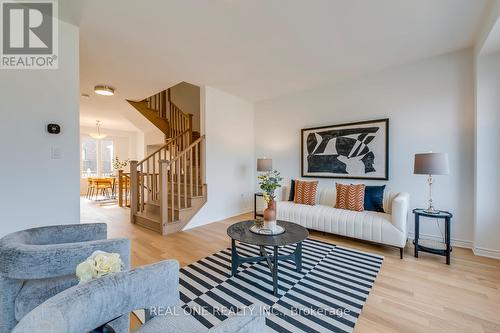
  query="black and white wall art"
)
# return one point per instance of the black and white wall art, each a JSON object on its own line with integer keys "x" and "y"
{"x": 356, "y": 150}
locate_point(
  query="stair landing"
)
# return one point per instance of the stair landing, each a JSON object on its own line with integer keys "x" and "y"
{"x": 150, "y": 217}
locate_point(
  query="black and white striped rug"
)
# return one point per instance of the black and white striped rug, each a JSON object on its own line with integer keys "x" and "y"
{"x": 327, "y": 296}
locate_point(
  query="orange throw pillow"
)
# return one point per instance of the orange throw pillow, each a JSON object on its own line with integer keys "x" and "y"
{"x": 350, "y": 197}
{"x": 305, "y": 192}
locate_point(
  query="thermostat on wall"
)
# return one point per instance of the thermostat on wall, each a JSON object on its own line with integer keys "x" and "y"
{"x": 53, "y": 128}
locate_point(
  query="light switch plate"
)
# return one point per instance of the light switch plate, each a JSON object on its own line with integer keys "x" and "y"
{"x": 55, "y": 153}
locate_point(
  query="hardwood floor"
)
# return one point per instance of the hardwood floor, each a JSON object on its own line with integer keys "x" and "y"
{"x": 410, "y": 295}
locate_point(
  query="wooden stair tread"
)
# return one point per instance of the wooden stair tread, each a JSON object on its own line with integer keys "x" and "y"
{"x": 149, "y": 215}
{"x": 157, "y": 204}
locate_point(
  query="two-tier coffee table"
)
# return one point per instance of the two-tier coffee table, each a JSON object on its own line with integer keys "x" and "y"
{"x": 294, "y": 234}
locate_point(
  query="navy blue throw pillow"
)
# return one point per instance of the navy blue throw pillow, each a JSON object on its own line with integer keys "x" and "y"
{"x": 374, "y": 198}
{"x": 291, "y": 197}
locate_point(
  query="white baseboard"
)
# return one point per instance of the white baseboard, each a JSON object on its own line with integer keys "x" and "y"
{"x": 454, "y": 241}
{"x": 478, "y": 251}
{"x": 484, "y": 252}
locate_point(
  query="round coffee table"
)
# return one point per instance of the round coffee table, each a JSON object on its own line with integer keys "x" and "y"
{"x": 294, "y": 234}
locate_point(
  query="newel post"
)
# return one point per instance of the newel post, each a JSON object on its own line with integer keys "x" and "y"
{"x": 134, "y": 190}
{"x": 120, "y": 188}
{"x": 164, "y": 166}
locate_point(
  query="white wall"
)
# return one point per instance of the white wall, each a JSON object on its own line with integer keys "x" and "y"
{"x": 153, "y": 137}
{"x": 487, "y": 180}
{"x": 187, "y": 97}
{"x": 487, "y": 220}
{"x": 430, "y": 106}
{"x": 227, "y": 122}
{"x": 38, "y": 190}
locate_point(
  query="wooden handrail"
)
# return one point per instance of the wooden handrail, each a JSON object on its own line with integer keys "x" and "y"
{"x": 169, "y": 141}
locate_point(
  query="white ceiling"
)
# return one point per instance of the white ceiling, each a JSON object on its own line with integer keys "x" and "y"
{"x": 492, "y": 43}
{"x": 256, "y": 49}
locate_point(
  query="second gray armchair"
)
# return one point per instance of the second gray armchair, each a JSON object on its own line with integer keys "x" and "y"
{"x": 154, "y": 288}
{"x": 38, "y": 263}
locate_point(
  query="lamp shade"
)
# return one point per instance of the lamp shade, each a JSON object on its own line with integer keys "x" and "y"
{"x": 431, "y": 164}
{"x": 264, "y": 164}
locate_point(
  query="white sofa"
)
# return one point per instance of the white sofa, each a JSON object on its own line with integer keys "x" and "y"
{"x": 389, "y": 228}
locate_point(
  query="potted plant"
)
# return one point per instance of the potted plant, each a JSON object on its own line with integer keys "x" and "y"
{"x": 269, "y": 182}
{"x": 119, "y": 165}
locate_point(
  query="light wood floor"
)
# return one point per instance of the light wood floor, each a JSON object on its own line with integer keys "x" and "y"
{"x": 410, "y": 295}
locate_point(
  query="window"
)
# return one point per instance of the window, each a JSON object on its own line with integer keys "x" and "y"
{"x": 107, "y": 158}
{"x": 89, "y": 158}
{"x": 97, "y": 157}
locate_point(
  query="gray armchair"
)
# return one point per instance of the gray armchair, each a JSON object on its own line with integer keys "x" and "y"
{"x": 38, "y": 263}
{"x": 90, "y": 305}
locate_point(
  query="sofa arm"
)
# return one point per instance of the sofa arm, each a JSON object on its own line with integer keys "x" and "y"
{"x": 89, "y": 305}
{"x": 26, "y": 262}
{"x": 400, "y": 207}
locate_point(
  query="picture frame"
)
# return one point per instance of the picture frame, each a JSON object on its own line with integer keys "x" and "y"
{"x": 358, "y": 150}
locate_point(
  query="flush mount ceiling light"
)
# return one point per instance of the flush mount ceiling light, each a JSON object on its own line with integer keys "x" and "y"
{"x": 98, "y": 135}
{"x": 104, "y": 90}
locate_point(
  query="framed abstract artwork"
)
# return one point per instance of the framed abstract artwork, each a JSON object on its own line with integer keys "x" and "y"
{"x": 356, "y": 150}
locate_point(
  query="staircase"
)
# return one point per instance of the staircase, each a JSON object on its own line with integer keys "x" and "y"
{"x": 167, "y": 187}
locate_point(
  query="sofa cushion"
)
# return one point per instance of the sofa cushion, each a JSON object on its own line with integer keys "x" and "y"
{"x": 327, "y": 196}
{"x": 367, "y": 225}
{"x": 291, "y": 197}
{"x": 305, "y": 192}
{"x": 35, "y": 292}
{"x": 350, "y": 197}
{"x": 374, "y": 198}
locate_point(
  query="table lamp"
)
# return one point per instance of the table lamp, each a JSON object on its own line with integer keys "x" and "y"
{"x": 431, "y": 164}
{"x": 264, "y": 164}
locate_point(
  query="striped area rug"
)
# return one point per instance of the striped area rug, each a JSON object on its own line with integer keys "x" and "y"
{"x": 327, "y": 296}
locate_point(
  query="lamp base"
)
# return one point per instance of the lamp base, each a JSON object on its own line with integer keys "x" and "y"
{"x": 431, "y": 210}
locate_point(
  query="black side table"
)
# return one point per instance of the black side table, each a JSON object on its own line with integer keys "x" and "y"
{"x": 441, "y": 215}
{"x": 255, "y": 213}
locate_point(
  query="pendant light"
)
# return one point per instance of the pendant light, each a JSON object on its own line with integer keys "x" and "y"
{"x": 98, "y": 135}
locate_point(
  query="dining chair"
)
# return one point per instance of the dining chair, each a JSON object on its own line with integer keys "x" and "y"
{"x": 89, "y": 188}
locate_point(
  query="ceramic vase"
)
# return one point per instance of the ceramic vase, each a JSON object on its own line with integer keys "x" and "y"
{"x": 270, "y": 216}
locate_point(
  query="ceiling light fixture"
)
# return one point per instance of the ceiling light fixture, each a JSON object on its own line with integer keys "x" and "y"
{"x": 98, "y": 135}
{"x": 104, "y": 90}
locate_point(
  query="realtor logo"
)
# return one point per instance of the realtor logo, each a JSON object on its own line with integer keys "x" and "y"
{"x": 29, "y": 34}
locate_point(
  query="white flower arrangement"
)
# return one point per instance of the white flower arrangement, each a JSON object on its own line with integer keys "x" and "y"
{"x": 99, "y": 264}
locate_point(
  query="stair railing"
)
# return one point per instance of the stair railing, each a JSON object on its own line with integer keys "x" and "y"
{"x": 180, "y": 177}
{"x": 179, "y": 121}
{"x": 145, "y": 175}
{"x": 159, "y": 103}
